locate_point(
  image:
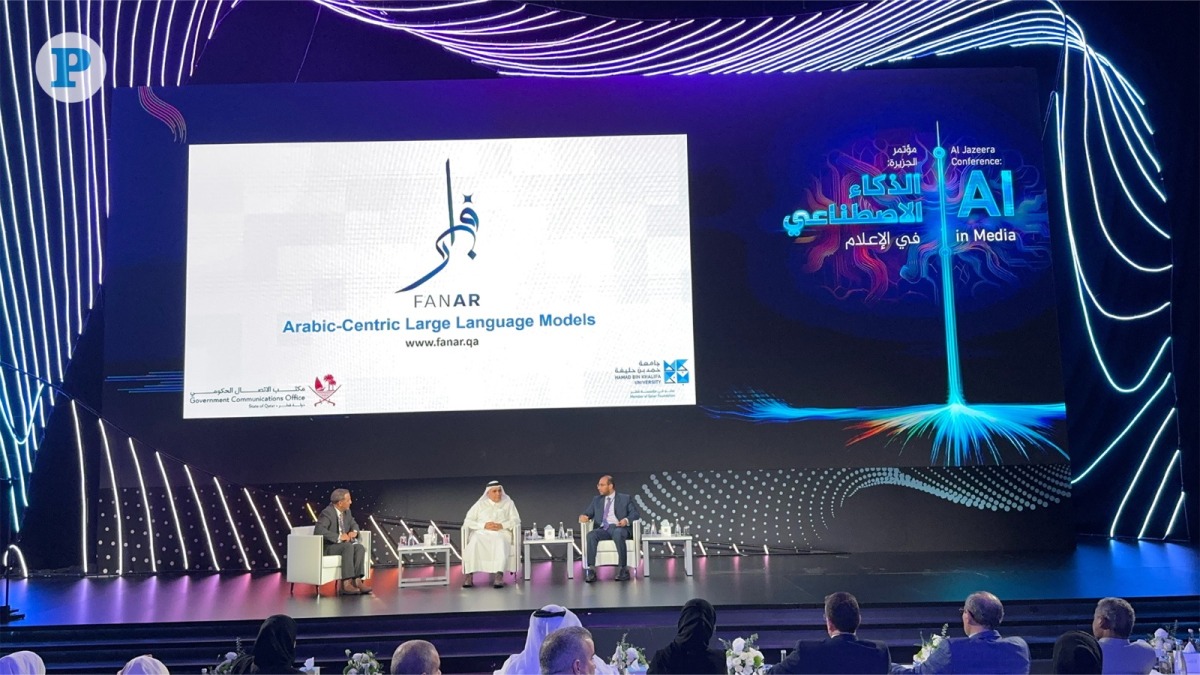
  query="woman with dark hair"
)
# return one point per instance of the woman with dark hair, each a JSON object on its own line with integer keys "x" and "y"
{"x": 689, "y": 652}
{"x": 274, "y": 648}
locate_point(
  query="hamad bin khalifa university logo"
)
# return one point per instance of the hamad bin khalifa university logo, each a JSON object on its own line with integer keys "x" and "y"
{"x": 676, "y": 372}
{"x": 70, "y": 67}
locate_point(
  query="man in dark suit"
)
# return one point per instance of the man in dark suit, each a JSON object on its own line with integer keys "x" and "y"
{"x": 842, "y": 651}
{"x": 983, "y": 650}
{"x": 614, "y": 514}
{"x": 340, "y": 530}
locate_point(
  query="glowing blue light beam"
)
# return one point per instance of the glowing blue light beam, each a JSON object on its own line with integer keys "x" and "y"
{"x": 1158, "y": 493}
{"x": 146, "y": 504}
{"x": 83, "y": 503}
{"x": 1112, "y": 530}
{"x": 212, "y": 552}
{"x": 1099, "y": 458}
{"x": 112, "y": 475}
{"x": 174, "y": 514}
{"x": 1175, "y": 516}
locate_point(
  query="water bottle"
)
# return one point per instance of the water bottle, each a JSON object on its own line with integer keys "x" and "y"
{"x": 535, "y": 530}
{"x": 562, "y": 531}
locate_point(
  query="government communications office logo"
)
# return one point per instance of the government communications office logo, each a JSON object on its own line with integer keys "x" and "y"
{"x": 675, "y": 372}
{"x": 70, "y": 67}
{"x": 325, "y": 391}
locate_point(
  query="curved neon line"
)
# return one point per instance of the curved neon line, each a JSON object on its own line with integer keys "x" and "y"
{"x": 1137, "y": 476}
{"x": 174, "y": 514}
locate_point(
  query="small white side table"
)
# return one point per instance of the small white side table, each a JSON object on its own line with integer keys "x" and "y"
{"x": 570, "y": 543}
{"x": 684, "y": 539}
{"x": 443, "y": 580}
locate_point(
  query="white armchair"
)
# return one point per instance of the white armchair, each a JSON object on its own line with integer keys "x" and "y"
{"x": 606, "y": 551}
{"x": 307, "y": 562}
{"x": 514, "y": 552}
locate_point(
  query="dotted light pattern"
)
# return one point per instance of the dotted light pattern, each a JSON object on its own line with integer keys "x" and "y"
{"x": 796, "y": 507}
{"x": 54, "y": 196}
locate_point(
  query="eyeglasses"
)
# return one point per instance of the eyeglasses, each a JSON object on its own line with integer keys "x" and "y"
{"x": 964, "y": 610}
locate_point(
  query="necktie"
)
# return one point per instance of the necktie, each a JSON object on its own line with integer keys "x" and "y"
{"x": 607, "y": 511}
{"x": 341, "y": 523}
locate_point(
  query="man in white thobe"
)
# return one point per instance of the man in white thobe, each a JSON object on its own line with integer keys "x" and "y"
{"x": 488, "y": 531}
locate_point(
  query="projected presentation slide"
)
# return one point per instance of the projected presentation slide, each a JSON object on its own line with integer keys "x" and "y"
{"x": 532, "y": 276}
{"x": 425, "y": 276}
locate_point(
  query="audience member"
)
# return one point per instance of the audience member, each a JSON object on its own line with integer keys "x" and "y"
{"x": 568, "y": 651}
{"x": 542, "y": 623}
{"x": 1076, "y": 652}
{"x": 1111, "y": 624}
{"x": 842, "y": 651}
{"x": 689, "y": 652}
{"x": 416, "y": 657}
{"x": 22, "y": 663}
{"x": 144, "y": 665}
{"x": 274, "y": 649}
{"x": 983, "y": 650}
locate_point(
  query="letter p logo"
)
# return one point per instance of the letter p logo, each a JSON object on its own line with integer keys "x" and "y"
{"x": 68, "y": 60}
{"x": 70, "y": 67}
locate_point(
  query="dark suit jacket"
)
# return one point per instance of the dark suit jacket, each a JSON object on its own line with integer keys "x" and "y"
{"x": 327, "y": 524}
{"x": 843, "y": 653}
{"x": 623, "y": 507}
{"x": 983, "y": 652}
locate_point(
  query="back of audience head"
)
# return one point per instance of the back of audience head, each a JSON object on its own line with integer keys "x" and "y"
{"x": 568, "y": 651}
{"x": 1114, "y": 618}
{"x": 842, "y": 613}
{"x": 144, "y": 665}
{"x": 697, "y": 621}
{"x": 1076, "y": 652}
{"x": 982, "y": 611}
{"x": 22, "y": 662}
{"x": 416, "y": 657}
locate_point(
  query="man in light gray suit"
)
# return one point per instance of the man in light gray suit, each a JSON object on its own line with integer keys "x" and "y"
{"x": 1111, "y": 624}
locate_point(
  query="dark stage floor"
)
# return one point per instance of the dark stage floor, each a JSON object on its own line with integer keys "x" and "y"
{"x": 1096, "y": 568}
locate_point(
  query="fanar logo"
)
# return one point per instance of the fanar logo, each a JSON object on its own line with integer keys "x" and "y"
{"x": 326, "y": 390}
{"x": 466, "y": 225}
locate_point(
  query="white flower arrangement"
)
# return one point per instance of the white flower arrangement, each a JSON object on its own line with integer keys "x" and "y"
{"x": 362, "y": 663}
{"x": 742, "y": 657}
{"x": 309, "y": 667}
{"x": 628, "y": 658}
{"x": 927, "y": 646}
{"x": 226, "y": 664}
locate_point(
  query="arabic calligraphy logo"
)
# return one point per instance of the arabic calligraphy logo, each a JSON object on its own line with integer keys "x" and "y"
{"x": 675, "y": 372}
{"x": 466, "y": 225}
{"x": 325, "y": 391}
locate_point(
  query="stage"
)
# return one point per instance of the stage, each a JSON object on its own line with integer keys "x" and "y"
{"x": 187, "y": 620}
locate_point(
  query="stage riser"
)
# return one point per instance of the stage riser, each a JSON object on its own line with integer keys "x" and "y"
{"x": 479, "y": 642}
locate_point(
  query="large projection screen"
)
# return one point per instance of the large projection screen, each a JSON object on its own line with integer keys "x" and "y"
{"x": 429, "y": 276}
